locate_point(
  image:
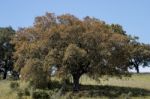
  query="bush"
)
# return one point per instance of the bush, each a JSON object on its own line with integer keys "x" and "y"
{"x": 26, "y": 92}
{"x": 23, "y": 92}
{"x": 40, "y": 95}
{"x": 14, "y": 85}
{"x": 20, "y": 94}
{"x": 33, "y": 72}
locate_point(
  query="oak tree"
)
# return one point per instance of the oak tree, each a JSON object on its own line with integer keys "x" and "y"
{"x": 74, "y": 46}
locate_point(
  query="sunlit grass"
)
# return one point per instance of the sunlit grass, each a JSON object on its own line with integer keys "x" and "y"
{"x": 5, "y": 91}
{"x": 136, "y": 80}
{"x": 92, "y": 89}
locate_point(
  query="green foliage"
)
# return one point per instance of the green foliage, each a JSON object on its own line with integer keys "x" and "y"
{"x": 27, "y": 92}
{"x": 139, "y": 55}
{"x": 75, "y": 47}
{"x": 14, "y": 85}
{"x": 40, "y": 95}
{"x": 34, "y": 73}
{"x": 74, "y": 58}
{"x": 116, "y": 28}
{"x": 6, "y": 47}
{"x": 20, "y": 94}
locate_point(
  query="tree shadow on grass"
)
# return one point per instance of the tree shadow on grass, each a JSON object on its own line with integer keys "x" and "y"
{"x": 103, "y": 90}
{"x": 112, "y": 91}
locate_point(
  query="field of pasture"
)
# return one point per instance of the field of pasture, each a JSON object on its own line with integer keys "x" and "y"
{"x": 136, "y": 87}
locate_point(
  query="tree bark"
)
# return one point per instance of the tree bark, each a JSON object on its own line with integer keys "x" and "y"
{"x": 5, "y": 74}
{"x": 137, "y": 69}
{"x": 76, "y": 85}
{"x": 5, "y": 69}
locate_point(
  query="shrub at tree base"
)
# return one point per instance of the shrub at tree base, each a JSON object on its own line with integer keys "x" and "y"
{"x": 40, "y": 95}
{"x": 34, "y": 73}
{"x": 14, "y": 85}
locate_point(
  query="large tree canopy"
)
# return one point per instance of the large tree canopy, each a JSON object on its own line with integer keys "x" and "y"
{"x": 76, "y": 47}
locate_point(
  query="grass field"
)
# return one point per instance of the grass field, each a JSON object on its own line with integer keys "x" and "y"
{"x": 137, "y": 81}
{"x": 136, "y": 87}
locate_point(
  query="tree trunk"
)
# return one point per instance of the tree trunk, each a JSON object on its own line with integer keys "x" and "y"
{"x": 137, "y": 69}
{"x": 5, "y": 74}
{"x": 76, "y": 85}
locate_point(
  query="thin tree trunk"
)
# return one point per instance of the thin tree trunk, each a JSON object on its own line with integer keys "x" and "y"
{"x": 76, "y": 85}
{"x": 137, "y": 69}
{"x": 5, "y": 74}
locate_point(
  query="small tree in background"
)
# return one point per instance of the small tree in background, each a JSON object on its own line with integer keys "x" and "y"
{"x": 6, "y": 49}
{"x": 139, "y": 55}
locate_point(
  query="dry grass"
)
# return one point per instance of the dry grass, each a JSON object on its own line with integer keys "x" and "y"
{"x": 136, "y": 87}
{"x": 5, "y": 91}
{"x": 136, "y": 81}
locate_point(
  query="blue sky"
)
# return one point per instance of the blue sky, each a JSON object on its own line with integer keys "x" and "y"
{"x": 133, "y": 15}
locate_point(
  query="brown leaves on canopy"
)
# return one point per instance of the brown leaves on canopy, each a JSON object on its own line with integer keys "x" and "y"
{"x": 79, "y": 45}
